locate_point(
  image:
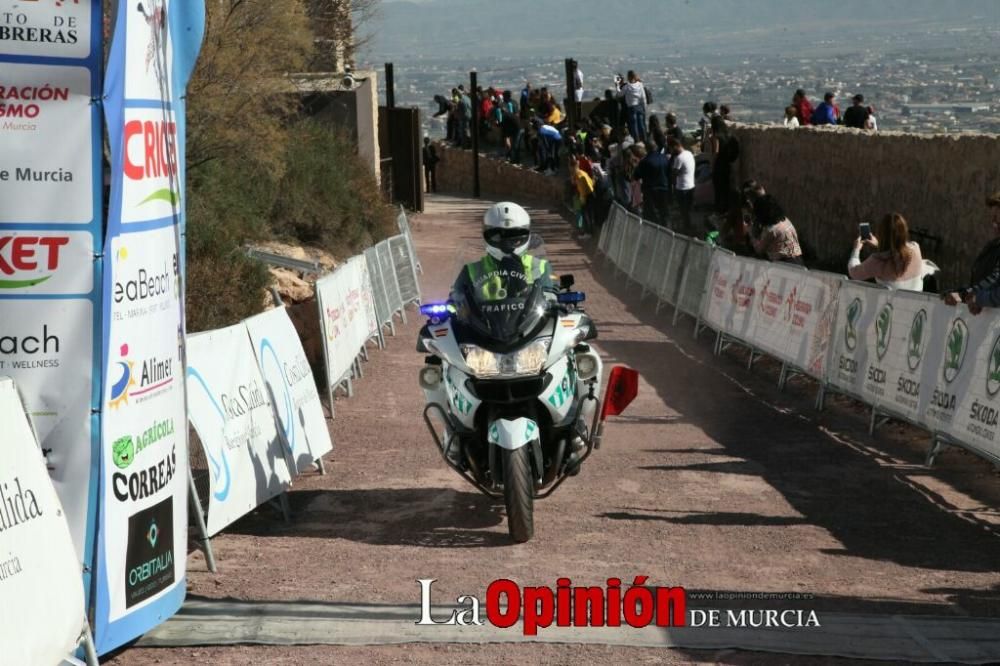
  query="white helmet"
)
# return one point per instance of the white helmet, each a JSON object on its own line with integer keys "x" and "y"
{"x": 506, "y": 230}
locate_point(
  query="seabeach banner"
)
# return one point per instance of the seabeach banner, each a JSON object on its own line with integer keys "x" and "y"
{"x": 144, "y": 449}
{"x": 50, "y": 232}
{"x": 42, "y": 612}
{"x": 229, "y": 407}
{"x": 291, "y": 386}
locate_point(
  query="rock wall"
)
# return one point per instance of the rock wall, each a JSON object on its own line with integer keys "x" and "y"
{"x": 498, "y": 178}
{"x": 831, "y": 179}
{"x": 828, "y": 180}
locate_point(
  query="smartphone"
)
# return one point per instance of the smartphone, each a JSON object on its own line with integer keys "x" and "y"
{"x": 865, "y": 229}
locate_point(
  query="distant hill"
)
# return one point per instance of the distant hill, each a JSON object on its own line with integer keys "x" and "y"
{"x": 543, "y": 27}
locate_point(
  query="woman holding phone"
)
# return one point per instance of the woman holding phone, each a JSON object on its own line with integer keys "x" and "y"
{"x": 897, "y": 263}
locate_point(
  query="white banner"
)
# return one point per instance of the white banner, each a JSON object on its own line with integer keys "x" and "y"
{"x": 861, "y": 341}
{"x": 145, "y": 457}
{"x": 956, "y": 339}
{"x": 729, "y": 306}
{"x": 348, "y": 315}
{"x": 291, "y": 386}
{"x": 978, "y": 378}
{"x": 229, "y": 407}
{"x": 41, "y": 592}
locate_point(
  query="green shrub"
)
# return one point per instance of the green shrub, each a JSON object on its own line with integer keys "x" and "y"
{"x": 328, "y": 197}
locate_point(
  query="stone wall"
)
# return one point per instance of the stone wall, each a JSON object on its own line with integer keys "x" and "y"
{"x": 498, "y": 178}
{"x": 830, "y": 179}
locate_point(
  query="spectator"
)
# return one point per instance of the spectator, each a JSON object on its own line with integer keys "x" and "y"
{"x": 583, "y": 185}
{"x": 774, "y": 236}
{"x": 464, "y": 115}
{"x": 705, "y": 123}
{"x": 725, "y": 112}
{"x": 857, "y": 115}
{"x": 431, "y": 160}
{"x": 750, "y": 191}
{"x": 826, "y": 113}
{"x": 525, "y": 100}
{"x": 897, "y": 264}
{"x": 803, "y": 107}
{"x": 549, "y": 143}
{"x": 606, "y": 110}
{"x": 872, "y": 123}
{"x": 636, "y": 154}
{"x": 656, "y": 134}
{"x": 683, "y": 172}
{"x": 984, "y": 291}
{"x": 634, "y": 95}
{"x": 673, "y": 129}
{"x": 735, "y": 235}
{"x": 724, "y": 150}
{"x": 653, "y": 172}
{"x": 578, "y": 89}
{"x": 791, "y": 116}
{"x": 510, "y": 127}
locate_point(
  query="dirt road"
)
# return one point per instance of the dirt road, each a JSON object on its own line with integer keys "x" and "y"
{"x": 713, "y": 480}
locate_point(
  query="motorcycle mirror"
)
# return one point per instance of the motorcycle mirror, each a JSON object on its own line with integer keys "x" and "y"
{"x": 566, "y": 281}
{"x": 623, "y": 387}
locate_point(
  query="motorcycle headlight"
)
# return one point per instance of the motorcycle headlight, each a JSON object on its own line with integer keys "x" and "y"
{"x": 528, "y": 360}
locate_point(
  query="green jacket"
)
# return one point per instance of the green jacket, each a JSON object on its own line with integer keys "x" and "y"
{"x": 490, "y": 280}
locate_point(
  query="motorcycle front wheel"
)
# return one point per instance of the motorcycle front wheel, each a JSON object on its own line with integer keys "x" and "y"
{"x": 519, "y": 494}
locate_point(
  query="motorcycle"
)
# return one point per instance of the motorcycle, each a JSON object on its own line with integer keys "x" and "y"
{"x": 513, "y": 385}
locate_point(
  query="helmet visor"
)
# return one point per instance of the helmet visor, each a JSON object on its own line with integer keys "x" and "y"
{"x": 507, "y": 240}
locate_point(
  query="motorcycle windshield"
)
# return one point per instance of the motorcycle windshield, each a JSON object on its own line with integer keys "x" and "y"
{"x": 510, "y": 319}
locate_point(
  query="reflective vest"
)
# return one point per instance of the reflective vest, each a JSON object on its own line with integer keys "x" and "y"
{"x": 494, "y": 287}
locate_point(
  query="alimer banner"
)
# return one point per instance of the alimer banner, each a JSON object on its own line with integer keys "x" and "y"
{"x": 291, "y": 386}
{"x": 50, "y": 233}
{"x": 230, "y": 407}
{"x": 41, "y": 595}
{"x": 144, "y": 448}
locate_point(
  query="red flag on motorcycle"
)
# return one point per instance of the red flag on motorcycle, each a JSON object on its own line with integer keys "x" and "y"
{"x": 623, "y": 387}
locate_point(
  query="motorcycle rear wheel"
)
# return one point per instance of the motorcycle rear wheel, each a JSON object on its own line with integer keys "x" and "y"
{"x": 519, "y": 494}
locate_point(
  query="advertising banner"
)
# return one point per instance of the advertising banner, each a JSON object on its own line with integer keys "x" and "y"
{"x": 976, "y": 421}
{"x": 794, "y": 316}
{"x": 732, "y": 294}
{"x": 861, "y": 336}
{"x": 345, "y": 300}
{"x": 956, "y": 337}
{"x": 229, "y": 407}
{"x": 141, "y": 580}
{"x": 291, "y": 386}
{"x": 40, "y": 584}
{"x": 50, "y": 232}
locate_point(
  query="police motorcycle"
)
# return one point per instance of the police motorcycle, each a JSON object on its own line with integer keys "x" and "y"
{"x": 512, "y": 388}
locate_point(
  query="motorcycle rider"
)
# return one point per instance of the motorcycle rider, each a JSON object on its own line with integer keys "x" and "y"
{"x": 507, "y": 267}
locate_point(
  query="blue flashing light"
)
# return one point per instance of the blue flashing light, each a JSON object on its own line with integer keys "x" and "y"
{"x": 439, "y": 310}
{"x": 572, "y": 297}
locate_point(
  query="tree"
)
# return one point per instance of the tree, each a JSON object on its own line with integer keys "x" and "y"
{"x": 234, "y": 108}
{"x": 336, "y": 24}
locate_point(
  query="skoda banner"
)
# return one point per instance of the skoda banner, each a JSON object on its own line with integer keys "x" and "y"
{"x": 859, "y": 341}
{"x": 142, "y": 546}
{"x": 50, "y": 232}
{"x": 975, "y": 421}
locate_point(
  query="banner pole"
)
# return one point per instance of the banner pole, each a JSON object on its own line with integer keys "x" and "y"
{"x": 206, "y": 542}
{"x": 89, "y": 649}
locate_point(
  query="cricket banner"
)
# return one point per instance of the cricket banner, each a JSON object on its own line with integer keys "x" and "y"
{"x": 230, "y": 408}
{"x": 142, "y": 546}
{"x": 291, "y": 386}
{"x": 50, "y": 232}
{"x": 42, "y": 612}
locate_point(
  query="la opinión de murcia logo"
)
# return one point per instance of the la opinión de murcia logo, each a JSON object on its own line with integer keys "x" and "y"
{"x": 614, "y": 605}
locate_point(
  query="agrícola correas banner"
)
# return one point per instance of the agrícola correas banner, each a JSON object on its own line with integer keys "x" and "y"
{"x": 142, "y": 543}
{"x": 50, "y": 233}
